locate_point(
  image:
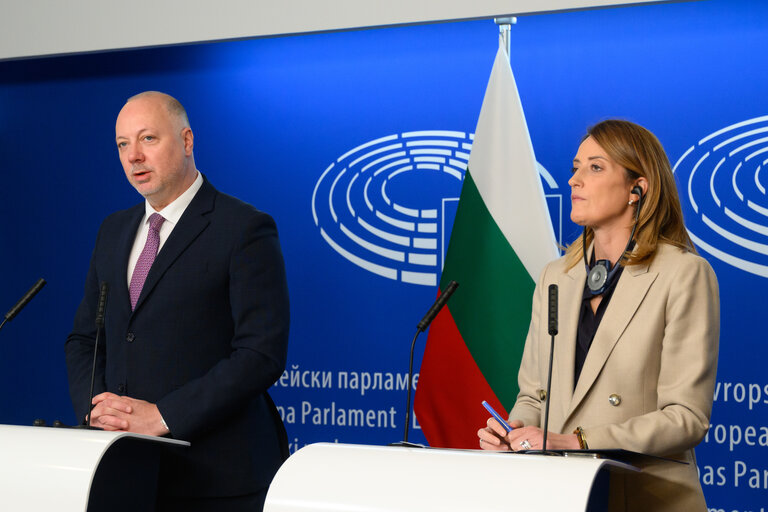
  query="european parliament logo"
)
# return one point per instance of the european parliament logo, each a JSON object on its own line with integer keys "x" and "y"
{"x": 722, "y": 180}
{"x": 388, "y": 205}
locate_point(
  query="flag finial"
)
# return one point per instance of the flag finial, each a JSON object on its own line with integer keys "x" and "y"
{"x": 505, "y": 24}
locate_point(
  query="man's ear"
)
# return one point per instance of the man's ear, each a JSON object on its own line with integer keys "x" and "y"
{"x": 189, "y": 140}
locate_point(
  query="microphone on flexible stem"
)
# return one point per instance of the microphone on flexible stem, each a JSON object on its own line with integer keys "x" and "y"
{"x": 552, "y": 332}
{"x": 437, "y": 306}
{"x": 100, "y": 311}
{"x": 421, "y": 327}
{"x": 11, "y": 314}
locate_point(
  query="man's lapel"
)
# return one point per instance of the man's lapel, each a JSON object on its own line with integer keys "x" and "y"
{"x": 191, "y": 224}
{"x": 124, "y": 246}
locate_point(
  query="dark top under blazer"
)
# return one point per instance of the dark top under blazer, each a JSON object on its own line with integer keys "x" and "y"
{"x": 207, "y": 339}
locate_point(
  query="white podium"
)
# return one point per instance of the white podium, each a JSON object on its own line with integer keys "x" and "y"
{"x": 66, "y": 469}
{"x": 349, "y": 478}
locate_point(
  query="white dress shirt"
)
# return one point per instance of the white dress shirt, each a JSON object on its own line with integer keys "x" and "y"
{"x": 171, "y": 213}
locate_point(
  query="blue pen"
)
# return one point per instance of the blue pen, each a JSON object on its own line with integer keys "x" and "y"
{"x": 497, "y": 416}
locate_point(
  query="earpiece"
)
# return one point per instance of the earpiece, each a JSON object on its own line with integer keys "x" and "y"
{"x": 601, "y": 275}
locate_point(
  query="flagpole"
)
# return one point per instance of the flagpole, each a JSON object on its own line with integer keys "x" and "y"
{"x": 505, "y": 24}
{"x": 500, "y": 258}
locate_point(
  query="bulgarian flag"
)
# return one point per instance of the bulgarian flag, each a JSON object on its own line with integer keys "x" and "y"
{"x": 501, "y": 239}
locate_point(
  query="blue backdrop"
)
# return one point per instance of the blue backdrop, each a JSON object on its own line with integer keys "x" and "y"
{"x": 270, "y": 117}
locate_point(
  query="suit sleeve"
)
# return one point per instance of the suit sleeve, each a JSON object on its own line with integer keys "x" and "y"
{"x": 687, "y": 373}
{"x": 258, "y": 296}
{"x": 79, "y": 347}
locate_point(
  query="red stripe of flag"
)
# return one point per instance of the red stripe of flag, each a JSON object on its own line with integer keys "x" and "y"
{"x": 454, "y": 383}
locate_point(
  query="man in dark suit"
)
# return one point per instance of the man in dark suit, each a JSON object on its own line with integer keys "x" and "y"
{"x": 196, "y": 324}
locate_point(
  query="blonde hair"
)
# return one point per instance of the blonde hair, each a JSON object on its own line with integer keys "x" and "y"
{"x": 661, "y": 218}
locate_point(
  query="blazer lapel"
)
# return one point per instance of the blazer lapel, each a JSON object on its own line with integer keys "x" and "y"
{"x": 571, "y": 286}
{"x": 191, "y": 224}
{"x": 124, "y": 246}
{"x": 627, "y": 297}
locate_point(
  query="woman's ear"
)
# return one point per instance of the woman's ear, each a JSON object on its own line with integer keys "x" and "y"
{"x": 640, "y": 188}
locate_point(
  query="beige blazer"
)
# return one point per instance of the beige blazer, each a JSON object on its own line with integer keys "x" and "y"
{"x": 648, "y": 379}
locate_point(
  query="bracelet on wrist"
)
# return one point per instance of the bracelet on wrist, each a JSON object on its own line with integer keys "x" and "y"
{"x": 581, "y": 438}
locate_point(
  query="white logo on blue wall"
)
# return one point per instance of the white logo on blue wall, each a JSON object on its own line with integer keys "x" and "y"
{"x": 723, "y": 191}
{"x": 388, "y": 205}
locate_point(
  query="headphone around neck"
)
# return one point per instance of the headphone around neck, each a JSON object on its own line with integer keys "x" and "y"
{"x": 602, "y": 274}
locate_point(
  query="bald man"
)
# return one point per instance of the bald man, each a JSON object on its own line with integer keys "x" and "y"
{"x": 196, "y": 322}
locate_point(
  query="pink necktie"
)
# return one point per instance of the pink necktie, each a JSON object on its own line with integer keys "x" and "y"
{"x": 146, "y": 258}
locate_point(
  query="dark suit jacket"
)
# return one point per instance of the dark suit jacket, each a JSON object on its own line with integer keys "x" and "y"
{"x": 207, "y": 339}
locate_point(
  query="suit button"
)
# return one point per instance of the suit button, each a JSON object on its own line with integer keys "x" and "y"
{"x": 614, "y": 399}
{"x": 542, "y": 394}
{"x": 130, "y": 337}
{"x": 121, "y": 388}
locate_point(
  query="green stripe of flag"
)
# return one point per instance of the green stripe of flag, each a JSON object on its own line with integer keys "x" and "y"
{"x": 501, "y": 239}
{"x": 493, "y": 310}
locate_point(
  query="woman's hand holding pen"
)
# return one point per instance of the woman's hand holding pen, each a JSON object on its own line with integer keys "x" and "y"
{"x": 495, "y": 437}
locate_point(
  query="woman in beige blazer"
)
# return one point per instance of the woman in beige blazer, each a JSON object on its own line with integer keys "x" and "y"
{"x": 637, "y": 373}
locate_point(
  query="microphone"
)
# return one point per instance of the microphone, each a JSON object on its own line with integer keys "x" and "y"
{"x": 437, "y": 306}
{"x": 99, "y": 321}
{"x": 11, "y": 314}
{"x": 553, "y": 310}
{"x": 431, "y": 314}
{"x": 552, "y": 332}
{"x": 102, "y": 305}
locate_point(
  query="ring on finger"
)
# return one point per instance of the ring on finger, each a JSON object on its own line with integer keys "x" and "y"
{"x": 525, "y": 444}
